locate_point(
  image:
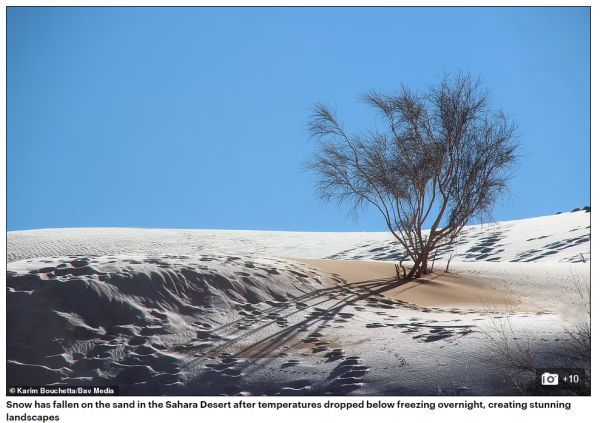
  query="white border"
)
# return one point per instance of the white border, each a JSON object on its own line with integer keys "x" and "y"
{"x": 582, "y": 407}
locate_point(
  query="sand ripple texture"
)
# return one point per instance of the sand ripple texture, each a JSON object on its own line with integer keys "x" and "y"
{"x": 558, "y": 238}
{"x": 232, "y": 313}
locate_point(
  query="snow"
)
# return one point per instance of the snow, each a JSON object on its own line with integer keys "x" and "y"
{"x": 558, "y": 238}
{"x": 207, "y": 312}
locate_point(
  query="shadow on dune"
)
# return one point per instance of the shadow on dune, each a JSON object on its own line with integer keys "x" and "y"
{"x": 306, "y": 332}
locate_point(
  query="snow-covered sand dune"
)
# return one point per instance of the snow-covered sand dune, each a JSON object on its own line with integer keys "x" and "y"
{"x": 206, "y": 312}
{"x": 558, "y": 238}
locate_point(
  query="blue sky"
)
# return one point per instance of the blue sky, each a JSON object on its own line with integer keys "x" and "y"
{"x": 197, "y": 117}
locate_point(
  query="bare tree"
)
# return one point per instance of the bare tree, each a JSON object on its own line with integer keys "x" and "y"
{"x": 441, "y": 158}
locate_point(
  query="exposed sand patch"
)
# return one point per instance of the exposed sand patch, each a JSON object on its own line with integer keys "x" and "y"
{"x": 437, "y": 289}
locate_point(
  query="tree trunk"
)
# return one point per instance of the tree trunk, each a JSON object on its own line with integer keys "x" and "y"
{"x": 415, "y": 269}
{"x": 420, "y": 267}
{"x": 423, "y": 270}
{"x": 424, "y": 262}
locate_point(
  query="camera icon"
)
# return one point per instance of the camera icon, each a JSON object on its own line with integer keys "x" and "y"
{"x": 549, "y": 379}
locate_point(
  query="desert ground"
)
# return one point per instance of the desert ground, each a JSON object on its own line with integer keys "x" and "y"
{"x": 207, "y": 312}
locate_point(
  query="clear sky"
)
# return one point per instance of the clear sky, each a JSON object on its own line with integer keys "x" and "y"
{"x": 197, "y": 117}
